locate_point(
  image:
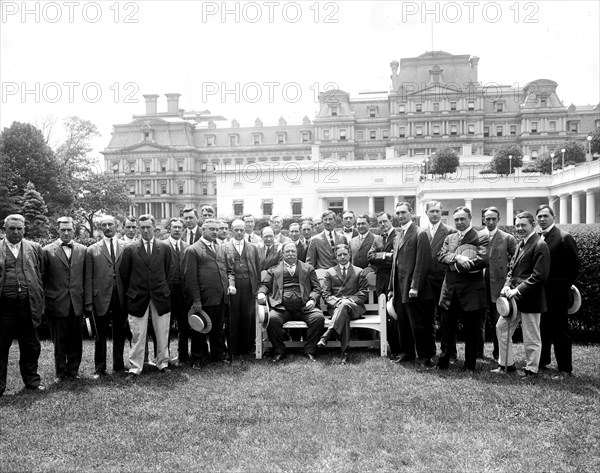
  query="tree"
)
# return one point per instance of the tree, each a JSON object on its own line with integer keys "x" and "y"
{"x": 102, "y": 193}
{"x": 35, "y": 210}
{"x": 72, "y": 155}
{"x": 27, "y": 158}
{"x": 574, "y": 153}
{"x": 502, "y": 164}
{"x": 595, "y": 144}
{"x": 544, "y": 165}
{"x": 444, "y": 161}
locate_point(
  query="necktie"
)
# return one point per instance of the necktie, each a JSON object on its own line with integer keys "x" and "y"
{"x": 331, "y": 240}
{"x": 191, "y": 242}
{"x": 344, "y": 273}
{"x": 112, "y": 251}
{"x": 249, "y": 238}
{"x": 177, "y": 248}
{"x": 430, "y": 234}
{"x": 384, "y": 236}
{"x": 148, "y": 249}
{"x": 401, "y": 233}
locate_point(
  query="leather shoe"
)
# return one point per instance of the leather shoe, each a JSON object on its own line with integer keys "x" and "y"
{"x": 310, "y": 356}
{"x": 345, "y": 358}
{"x": 278, "y": 357}
{"x": 164, "y": 371}
{"x": 404, "y": 359}
{"x": 131, "y": 377}
{"x": 196, "y": 366}
{"x": 561, "y": 376}
{"x": 174, "y": 363}
{"x": 504, "y": 369}
{"x": 443, "y": 363}
{"x": 428, "y": 363}
{"x": 528, "y": 374}
{"x": 39, "y": 388}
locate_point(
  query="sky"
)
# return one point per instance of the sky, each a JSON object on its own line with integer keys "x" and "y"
{"x": 248, "y": 60}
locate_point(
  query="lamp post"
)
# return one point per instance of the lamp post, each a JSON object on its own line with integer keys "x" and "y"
{"x": 509, "y": 164}
{"x": 551, "y": 163}
{"x": 589, "y": 140}
{"x": 426, "y": 166}
{"x": 563, "y": 158}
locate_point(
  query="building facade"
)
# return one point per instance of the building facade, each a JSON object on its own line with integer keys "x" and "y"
{"x": 363, "y": 153}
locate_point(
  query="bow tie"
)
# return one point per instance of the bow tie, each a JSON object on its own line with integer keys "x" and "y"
{"x": 70, "y": 244}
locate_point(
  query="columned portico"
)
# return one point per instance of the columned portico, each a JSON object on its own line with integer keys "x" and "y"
{"x": 590, "y": 206}
{"x": 564, "y": 207}
{"x": 576, "y": 207}
{"x": 510, "y": 210}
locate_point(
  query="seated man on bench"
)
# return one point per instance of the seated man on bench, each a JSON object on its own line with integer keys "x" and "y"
{"x": 293, "y": 292}
{"x": 345, "y": 290}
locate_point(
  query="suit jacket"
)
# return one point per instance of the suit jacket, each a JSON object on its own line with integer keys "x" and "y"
{"x": 354, "y": 287}
{"x": 320, "y": 254}
{"x": 348, "y": 235}
{"x": 145, "y": 279}
{"x": 171, "y": 276}
{"x": 281, "y": 239}
{"x": 208, "y": 275}
{"x": 438, "y": 270}
{"x": 252, "y": 261}
{"x": 268, "y": 261}
{"x": 529, "y": 270}
{"x": 34, "y": 271}
{"x": 564, "y": 262}
{"x": 410, "y": 266}
{"x": 382, "y": 264}
{"x": 63, "y": 279}
{"x": 99, "y": 275}
{"x": 255, "y": 238}
{"x": 272, "y": 284}
{"x": 302, "y": 250}
{"x": 185, "y": 235}
{"x": 360, "y": 251}
{"x": 500, "y": 251}
{"x": 469, "y": 285}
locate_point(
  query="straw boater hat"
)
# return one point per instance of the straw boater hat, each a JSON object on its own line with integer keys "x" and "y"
{"x": 199, "y": 320}
{"x": 506, "y": 307}
{"x": 262, "y": 314}
{"x": 574, "y": 300}
{"x": 390, "y": 308}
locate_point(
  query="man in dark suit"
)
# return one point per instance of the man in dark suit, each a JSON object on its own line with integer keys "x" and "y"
{"x": 276, "y": 223}
{"x": 345, "y": 290}
{"x": 179, "y": 308}
{"x": 463, "y": 292}
{"x": 209, "y": 280}
{"x": 192, "y": 233}
{"x": 301, "y": 247}
{"x": 64, "y": 274}
{"x": 361, "y": 244}
{"x": 246, "y": 268}
{"x": 306, "y": 228}
{"x": 501, "y": 247}
{"x": 21, "y": 301}
{"x": 130, "y": 229}
{"x": 144, "y": 271}
{"x": 437, "y": 231}
{"x": 293, "y": 291}
{"x": 105, "y": 296}
{"x": 269, "y": 251}
{"x": 380, "y": 257}
{"x": 525, "y": 283}
{"x": 409, "y": 285}
{"x": 564, "y": 269}
{"x": 320, "y": 254}
{"x": 348, "y": 229}
{"x": 250, "y": 236}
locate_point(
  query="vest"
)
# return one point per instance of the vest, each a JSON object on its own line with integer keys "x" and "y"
{"x": 291, "y": 283}
{"x": 15, "y": 282}
{"x": 240, "y": 264}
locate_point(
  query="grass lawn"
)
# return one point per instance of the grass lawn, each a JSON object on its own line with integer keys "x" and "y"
{"x": 371, "y": 415}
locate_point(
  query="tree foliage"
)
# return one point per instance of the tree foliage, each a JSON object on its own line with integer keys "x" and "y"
{"x": 595, "y": 144}
{"x": 444, "y": 161}
{"x": 35, "y": 212}
{"x": 502, "y": 163}
{"x": 102, "y": 193}
{"x": 574, "y": 153}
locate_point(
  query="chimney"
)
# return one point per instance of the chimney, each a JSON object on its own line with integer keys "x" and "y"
{"x": 151, "y": 104}
{"x": 173, "y": 103}
{"x": 474, "y": 61}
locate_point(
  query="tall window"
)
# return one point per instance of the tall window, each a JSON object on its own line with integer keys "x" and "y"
{"x": 419, "y": 107}
{"x": 499, "y": 130}
{"x": 238, "y": 207}
{"x": 267, "y": 207}
{"x": 296, "y": 207}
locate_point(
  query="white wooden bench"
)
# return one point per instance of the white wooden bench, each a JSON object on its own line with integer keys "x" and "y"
{"x": 374, "y": 319}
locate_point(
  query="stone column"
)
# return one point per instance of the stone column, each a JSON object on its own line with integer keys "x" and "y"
{"x": 371, "y": 205}
{"x": 469, "y": 203}
{"x": 510, "y": 201}
{"x": 345, "y": 203}
{"x": 576, "y": 207}
{"x": 590, "y": 206}
{"x": 564, "y": 206}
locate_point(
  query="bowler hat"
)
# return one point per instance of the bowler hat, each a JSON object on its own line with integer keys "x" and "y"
{"x": 506, "y": 307}
{"x": 574, "y": 300}
{"x": 199, "y": 320}
{"x": 390, "y": 308}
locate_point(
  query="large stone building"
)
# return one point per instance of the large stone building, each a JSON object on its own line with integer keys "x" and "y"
{"x": 363, "y": 153}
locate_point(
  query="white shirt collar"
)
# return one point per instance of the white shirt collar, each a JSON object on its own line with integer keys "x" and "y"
{"x": 548, "y": 229}
{"x": 11, "y": 246}
{"x": 210, "y": 244}
{"x": 526, "y": 239}
{"x": 434, "y": 228}
{"x": 174, "y": 242}
{"x": 462, "y": 234}
{"x": 405, "y": 226}
{"x": 492, "y": 233}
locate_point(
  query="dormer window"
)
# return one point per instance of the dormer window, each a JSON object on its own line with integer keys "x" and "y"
{"x": 257, "y": 138}
{"x": 543, "y": 101}
{"x": 499, "y": 106}
{"x": 372, "y": 112}
{"x": 233, "y": 140}
{"x": 281, "y": 138}
{"x": 334, "y": 110}
{"x": 305, "y": 136}
{"x": 210, "y": 140}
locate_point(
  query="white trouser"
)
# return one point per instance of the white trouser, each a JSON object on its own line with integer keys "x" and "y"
{"x": 139, "y": 329}
{"x": 532, "y": 340}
